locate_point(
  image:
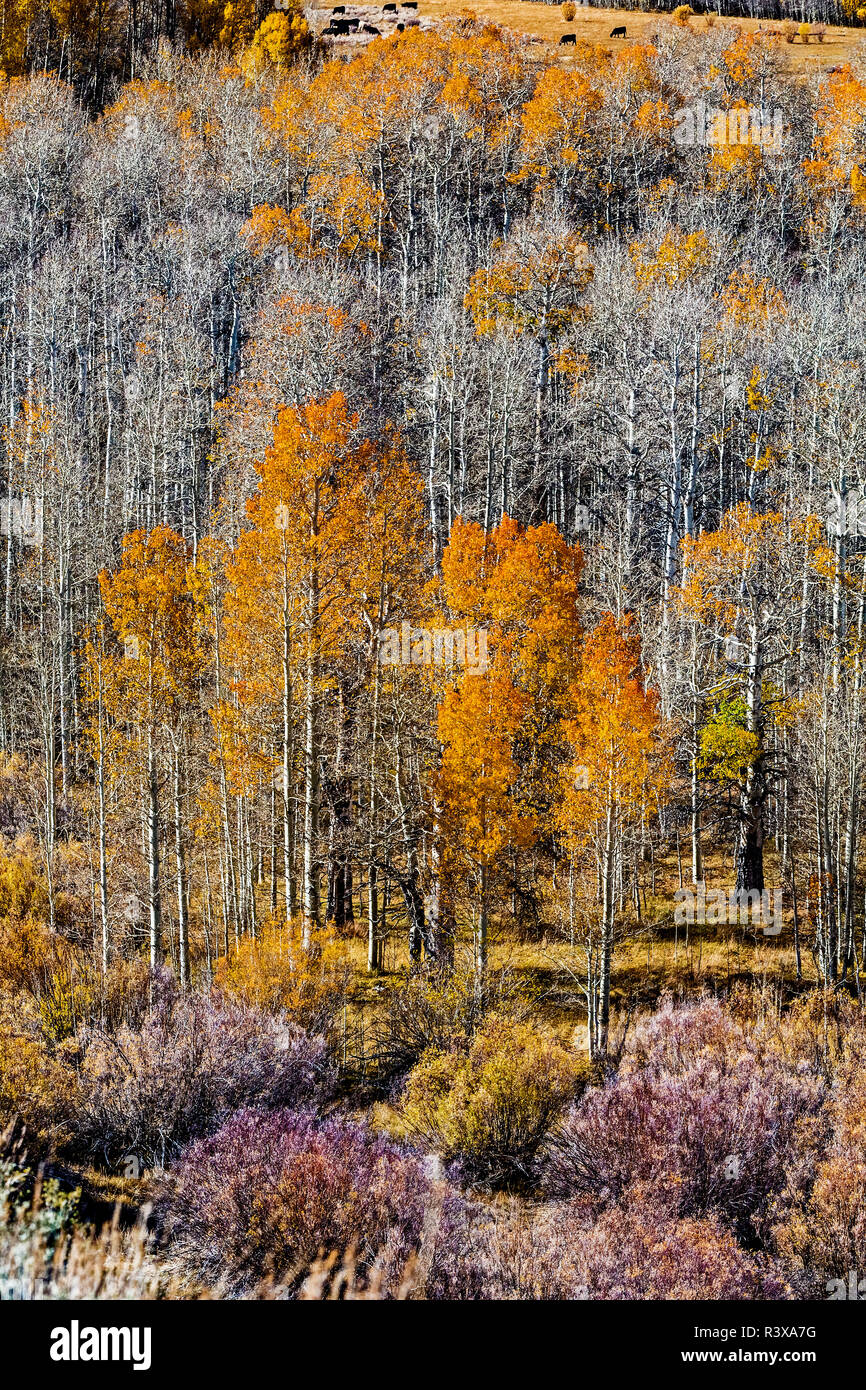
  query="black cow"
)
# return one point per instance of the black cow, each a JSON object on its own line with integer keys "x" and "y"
{"x": 370, "y": 29}
{"x": 618, "y": 33}
{"x": 389, "y": 9}
{"x": 400, "y": 28}
{"x": 410, "y": 5}
{"x": 330, "y": 29}
{"x": 339, "y": 9}
{"x": 568, "y": 38}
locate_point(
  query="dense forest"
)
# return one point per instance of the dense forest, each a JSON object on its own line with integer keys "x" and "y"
{"x": 432, "y": 723}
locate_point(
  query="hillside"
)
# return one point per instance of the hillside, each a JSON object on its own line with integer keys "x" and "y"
{"x": 432, "y": 713}
{"x": 592, "y": 24}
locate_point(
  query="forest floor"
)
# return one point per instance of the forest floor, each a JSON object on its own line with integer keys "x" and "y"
{"x": 651, "y": 958}
{"x": 545, "y": 23}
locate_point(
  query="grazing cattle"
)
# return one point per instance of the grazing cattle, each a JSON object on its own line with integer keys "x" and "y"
{"x": 389, "y": 9}
{"x": 339, "y": 9}
{"x": 568, "y": 38}
{"x": 400, "y": 28}
{"x": 618, "y": 33}
{"x": 410, "y": 5}
{"x": 339, "y": 26}
{"x": 370, "y": 29}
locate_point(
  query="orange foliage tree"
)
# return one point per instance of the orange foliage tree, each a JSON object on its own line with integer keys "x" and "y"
{"x": 148, "y": 689}
{"x": 618, "y": 773}
{"x": 500, "y": 729}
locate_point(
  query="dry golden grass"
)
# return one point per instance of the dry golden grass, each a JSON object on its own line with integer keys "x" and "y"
{"x": 112, "y": 1264}
{"x": 650, "y": 958}
{"x": 545, "y": 23}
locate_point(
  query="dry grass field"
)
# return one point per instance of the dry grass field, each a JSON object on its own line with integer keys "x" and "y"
{"x": 545, "y": 23}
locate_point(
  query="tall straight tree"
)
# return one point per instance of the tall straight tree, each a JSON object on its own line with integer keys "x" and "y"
{"x": 617, "y": 773}
{"x": 149, "y": 688}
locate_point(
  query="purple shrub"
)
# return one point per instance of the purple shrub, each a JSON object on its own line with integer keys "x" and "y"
{"x": 674, "y": 1038}
{"x": 637, "y": 1252}
{"x": 194, "y": 1061}
{"x": 705, "y": 1126}
{"x": 564, "y": 1251}
{"x": 823, "y": 1235}
{"x": 270, "y": 1193}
